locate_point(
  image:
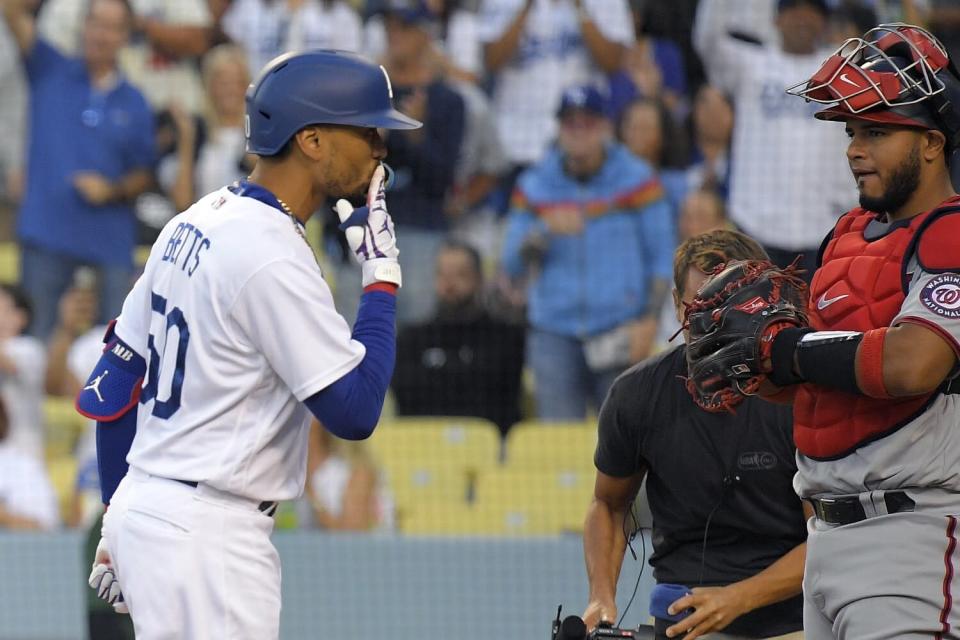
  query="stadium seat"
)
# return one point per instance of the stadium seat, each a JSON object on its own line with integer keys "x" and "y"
{"x": 445, "y": 520}
{"x": 551, "y": 446}
{"x": 140, "y": 254}
{"x": 63, "y": 426}
{"x": 475, "y": 520}
{"x": 534, "y": 502}
{"x": 472, "y": 444}
{"x": 62, "y": 471}
{"x": 9, "y": 262}
{"x": 414, "y": 482}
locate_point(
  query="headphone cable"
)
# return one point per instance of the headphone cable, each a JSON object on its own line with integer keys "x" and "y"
{"x": 630, "y": 538}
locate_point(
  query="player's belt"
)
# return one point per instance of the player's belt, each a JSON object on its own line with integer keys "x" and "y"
{"x": 849, "y": 509}
{"x": 266, "y": 507}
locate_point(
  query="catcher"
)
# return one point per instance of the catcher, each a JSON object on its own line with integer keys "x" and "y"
{"x": 869, "y": 364}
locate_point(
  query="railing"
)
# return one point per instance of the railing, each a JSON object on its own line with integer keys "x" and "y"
{"x": 349, "y": 586}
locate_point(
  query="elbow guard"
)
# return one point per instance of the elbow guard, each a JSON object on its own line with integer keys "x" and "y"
{"x": 113, "y": 387}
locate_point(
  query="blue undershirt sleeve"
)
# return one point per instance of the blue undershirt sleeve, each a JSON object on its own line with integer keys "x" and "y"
{"x": 113, "y": 444}
{"x": 350, "y": 407}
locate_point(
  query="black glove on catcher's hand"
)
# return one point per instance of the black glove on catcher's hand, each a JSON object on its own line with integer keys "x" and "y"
{"x": 732, "y": 322}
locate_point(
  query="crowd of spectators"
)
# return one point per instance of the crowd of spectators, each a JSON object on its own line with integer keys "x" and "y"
{"x": 567, "y": 147}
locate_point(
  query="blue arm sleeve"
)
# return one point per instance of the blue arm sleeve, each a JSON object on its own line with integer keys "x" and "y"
{"x": 350, "y": 407}
{"x": 113, "y": 444}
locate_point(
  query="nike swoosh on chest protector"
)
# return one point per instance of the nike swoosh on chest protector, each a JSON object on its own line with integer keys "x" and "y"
{"x": 825, "y": 302}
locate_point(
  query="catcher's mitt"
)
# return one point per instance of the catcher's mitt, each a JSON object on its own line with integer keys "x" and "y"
{"x": 731, "y": 325}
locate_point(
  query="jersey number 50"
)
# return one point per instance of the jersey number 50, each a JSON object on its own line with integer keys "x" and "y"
{"x": 166, "y": 408}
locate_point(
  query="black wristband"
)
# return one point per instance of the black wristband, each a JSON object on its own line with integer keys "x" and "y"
{"x": 830, "y": 360}
{"x": 782, "y": 356}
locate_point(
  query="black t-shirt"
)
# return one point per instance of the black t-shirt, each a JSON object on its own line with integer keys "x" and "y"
{"x": 649, "y": 421}
{"x": 461, "y": 368}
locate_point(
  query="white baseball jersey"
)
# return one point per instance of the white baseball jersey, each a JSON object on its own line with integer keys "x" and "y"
{"x": 266, "y": 29}
{"x": 789, "y": 177}
{"x": 237, "y": 326}
{"x": 551, "y": 57}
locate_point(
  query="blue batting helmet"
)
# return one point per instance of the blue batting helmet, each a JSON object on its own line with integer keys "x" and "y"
{"x": 296, "y": 90}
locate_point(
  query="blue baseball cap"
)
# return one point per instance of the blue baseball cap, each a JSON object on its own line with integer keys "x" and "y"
{"x": 582, "y": 98}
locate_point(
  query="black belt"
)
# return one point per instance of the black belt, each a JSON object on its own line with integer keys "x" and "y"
{"x": 847, "y": 510}
{"x": 265, "y": 507}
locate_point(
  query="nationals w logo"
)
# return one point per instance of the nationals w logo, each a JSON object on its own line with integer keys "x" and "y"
{"x": 942, "y": 295}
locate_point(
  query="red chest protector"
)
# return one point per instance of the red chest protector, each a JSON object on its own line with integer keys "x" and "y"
{"x": 860, "y": 285}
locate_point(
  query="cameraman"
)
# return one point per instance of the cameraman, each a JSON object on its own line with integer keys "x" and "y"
{"x": 727, "y": 523}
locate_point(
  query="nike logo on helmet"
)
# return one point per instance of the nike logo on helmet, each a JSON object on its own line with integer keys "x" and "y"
{"x": 825, "y": 302}
{"x": 844, "y": 77}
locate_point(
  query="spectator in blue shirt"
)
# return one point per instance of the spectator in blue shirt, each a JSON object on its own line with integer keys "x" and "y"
{"x": 592, "y": 233}
{"x": 90, "y": 153}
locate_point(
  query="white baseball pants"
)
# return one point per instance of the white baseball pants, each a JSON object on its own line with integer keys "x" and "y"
{"x": 193, "y": 563}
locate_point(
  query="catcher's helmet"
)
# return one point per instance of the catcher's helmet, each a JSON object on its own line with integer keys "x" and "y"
{"x": 318, "y": 87}
{"x": 895, "y": 74}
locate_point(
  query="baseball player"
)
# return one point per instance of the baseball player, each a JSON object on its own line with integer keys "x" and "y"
{"x": 875, "y": 410}
{"x": 225, "y": 346}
